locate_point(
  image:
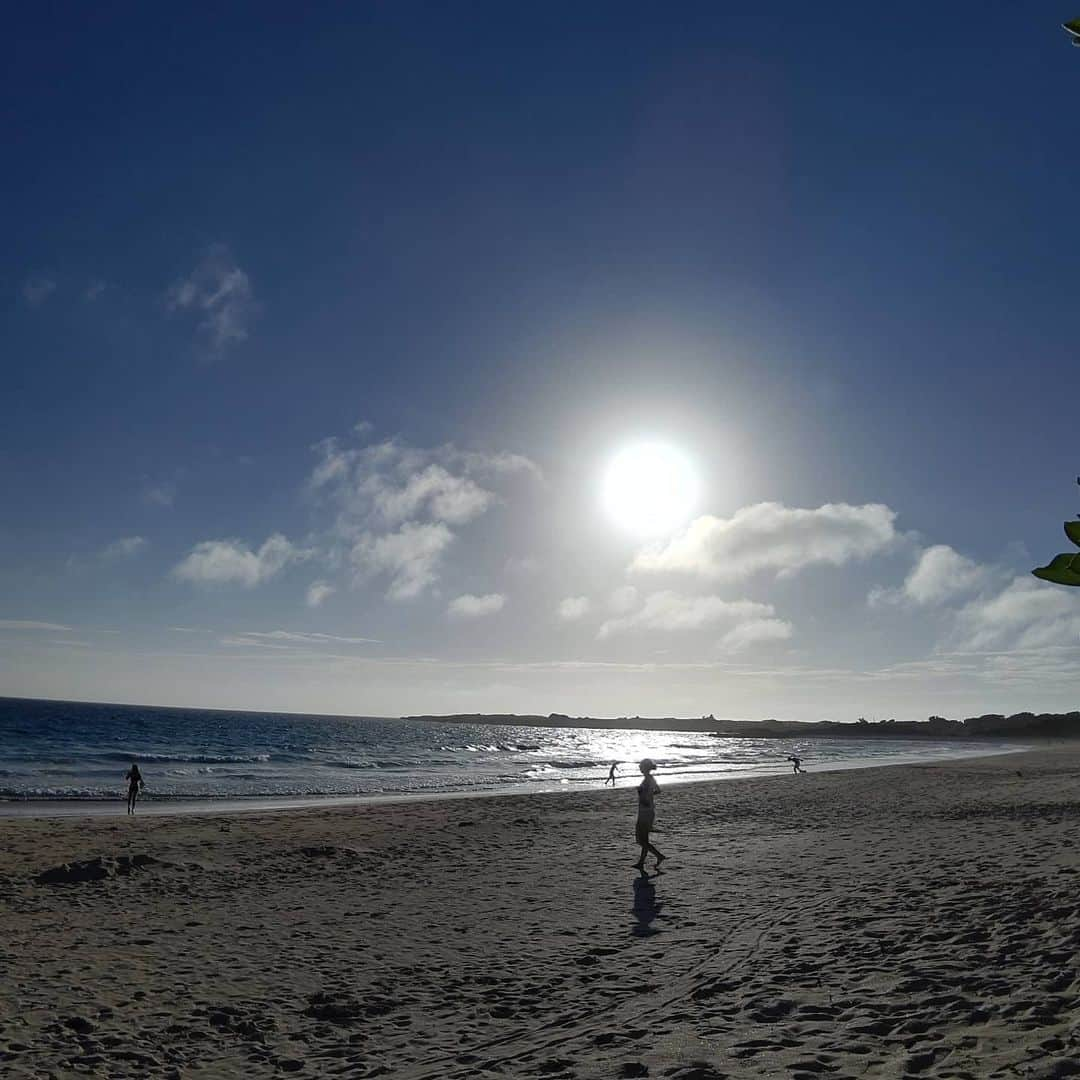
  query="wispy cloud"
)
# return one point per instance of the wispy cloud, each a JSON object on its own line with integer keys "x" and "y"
{"x": 221, "y": 293}
{"x": 390, "y": 482}
{"x": 159, "y": 494}
{"x": 1026, "y": 614}
{"x": 410, "y": 557}
{"x": 303, "y": 637}
{"x": 434, "y": 492}
{"x": 755, "y": 632}
{"x": 123, "y": 548}
{"x": 242, "y": 641}
{"x": 233, "y": 562}
{"x": 672, "y": 611}
{"x": 30, "y": 624}
{"x": 94, "y": 289}
{"x": 772, "y": 537}
{"x": 290, "y": 644}
{"x": 397, "y": 508}
{"x": 317, "y": 592}
{"x": 468, "y": 606}
{"x": 36, "y": 290}
{"x": 573, "y": 608}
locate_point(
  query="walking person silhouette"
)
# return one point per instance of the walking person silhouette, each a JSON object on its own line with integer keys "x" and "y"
{"x": 646, "y": 793}
{"x": 135, "y": 785}
{"x": 796, "y": 763}
{"x": 611, "y": 774}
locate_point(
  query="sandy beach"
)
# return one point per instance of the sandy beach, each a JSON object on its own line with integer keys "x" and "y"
{"x": 903, "y": 921}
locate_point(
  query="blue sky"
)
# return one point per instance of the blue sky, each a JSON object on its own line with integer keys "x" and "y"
{"x": 321, "y": 327}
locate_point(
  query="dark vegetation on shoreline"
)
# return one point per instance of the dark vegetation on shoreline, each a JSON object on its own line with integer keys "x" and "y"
{"x": 1025, "y": 724}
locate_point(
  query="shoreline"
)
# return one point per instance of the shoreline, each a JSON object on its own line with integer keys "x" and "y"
{"x": 33, "y": 808}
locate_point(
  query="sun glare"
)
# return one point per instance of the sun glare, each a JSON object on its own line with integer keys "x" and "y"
{"x": 650, "y": 489}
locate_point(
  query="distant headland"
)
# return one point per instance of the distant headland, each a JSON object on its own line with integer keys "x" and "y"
{"x": 1025, "y": 724}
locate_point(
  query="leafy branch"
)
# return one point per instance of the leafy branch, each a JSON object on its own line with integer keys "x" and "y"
{"x": 1064, "y": 569}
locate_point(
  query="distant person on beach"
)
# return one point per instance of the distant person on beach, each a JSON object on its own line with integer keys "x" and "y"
{"x": 646, "y": 814}
{"x": 135, "y": 785}
{"x": 611, "y": 774}
{"x": 796, "y": 763}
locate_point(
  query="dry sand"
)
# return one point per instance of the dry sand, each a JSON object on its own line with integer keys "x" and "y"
{"x": 905, "y": 921}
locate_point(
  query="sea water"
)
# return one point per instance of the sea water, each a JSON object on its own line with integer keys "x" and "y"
{"x": 77, "y": 751}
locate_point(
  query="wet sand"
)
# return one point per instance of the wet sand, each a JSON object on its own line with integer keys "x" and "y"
{"x": 905, "y": 921}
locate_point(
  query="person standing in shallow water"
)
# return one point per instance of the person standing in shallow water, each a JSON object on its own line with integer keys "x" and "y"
{"x": 646, "y": 814}
{"x": 611, "y": 774}
{"x": 135, "y": 785}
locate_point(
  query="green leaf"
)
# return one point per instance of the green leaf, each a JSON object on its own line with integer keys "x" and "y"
{"x": 1063, "y": 570}
{"x": 1072, "y": 531}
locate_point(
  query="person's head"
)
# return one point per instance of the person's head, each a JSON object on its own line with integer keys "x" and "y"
{"x": 647, "y": 766}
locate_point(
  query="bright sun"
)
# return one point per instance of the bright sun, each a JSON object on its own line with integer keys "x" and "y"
{"x": 650, "y": 488}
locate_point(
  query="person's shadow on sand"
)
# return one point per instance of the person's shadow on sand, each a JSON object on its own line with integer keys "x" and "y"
{"x": 646, "y": 908}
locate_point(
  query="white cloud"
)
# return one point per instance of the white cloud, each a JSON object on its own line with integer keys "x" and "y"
{"x": 410, "y": 556}
{"x": 397, "y": 507}
{"x": 317, "y": 592}
{"x": 289, "y": 638}
{"x": 227, "y": 561}
{"x": 221, "y": 293}
{"x": 36, "y": 290}
{"x": 1026, "y": 614}
{"x": 241, "y": 641}
{"x": 940, "y": 574}
{"x": 436, "y": 493}
{"x": 124, "y": 547}
{"x": 30, "y": 624}
{"x": 771, "y": 536}
{"x": 498, "y": 462}
{"x": 574, "y": 608}
{"x": 475, "y": 607}
{"x": 671, "y": 611}
{"x": 389, "y": 482}
{"x": 754, "y": 632}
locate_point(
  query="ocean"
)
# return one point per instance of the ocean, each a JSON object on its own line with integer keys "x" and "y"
{"x": 77, "y": 751}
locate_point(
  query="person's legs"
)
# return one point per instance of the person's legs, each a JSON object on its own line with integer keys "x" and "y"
{"x": 641, "y": 834}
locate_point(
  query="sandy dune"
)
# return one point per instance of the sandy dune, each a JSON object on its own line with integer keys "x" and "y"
{"x": 910, "y": 921}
